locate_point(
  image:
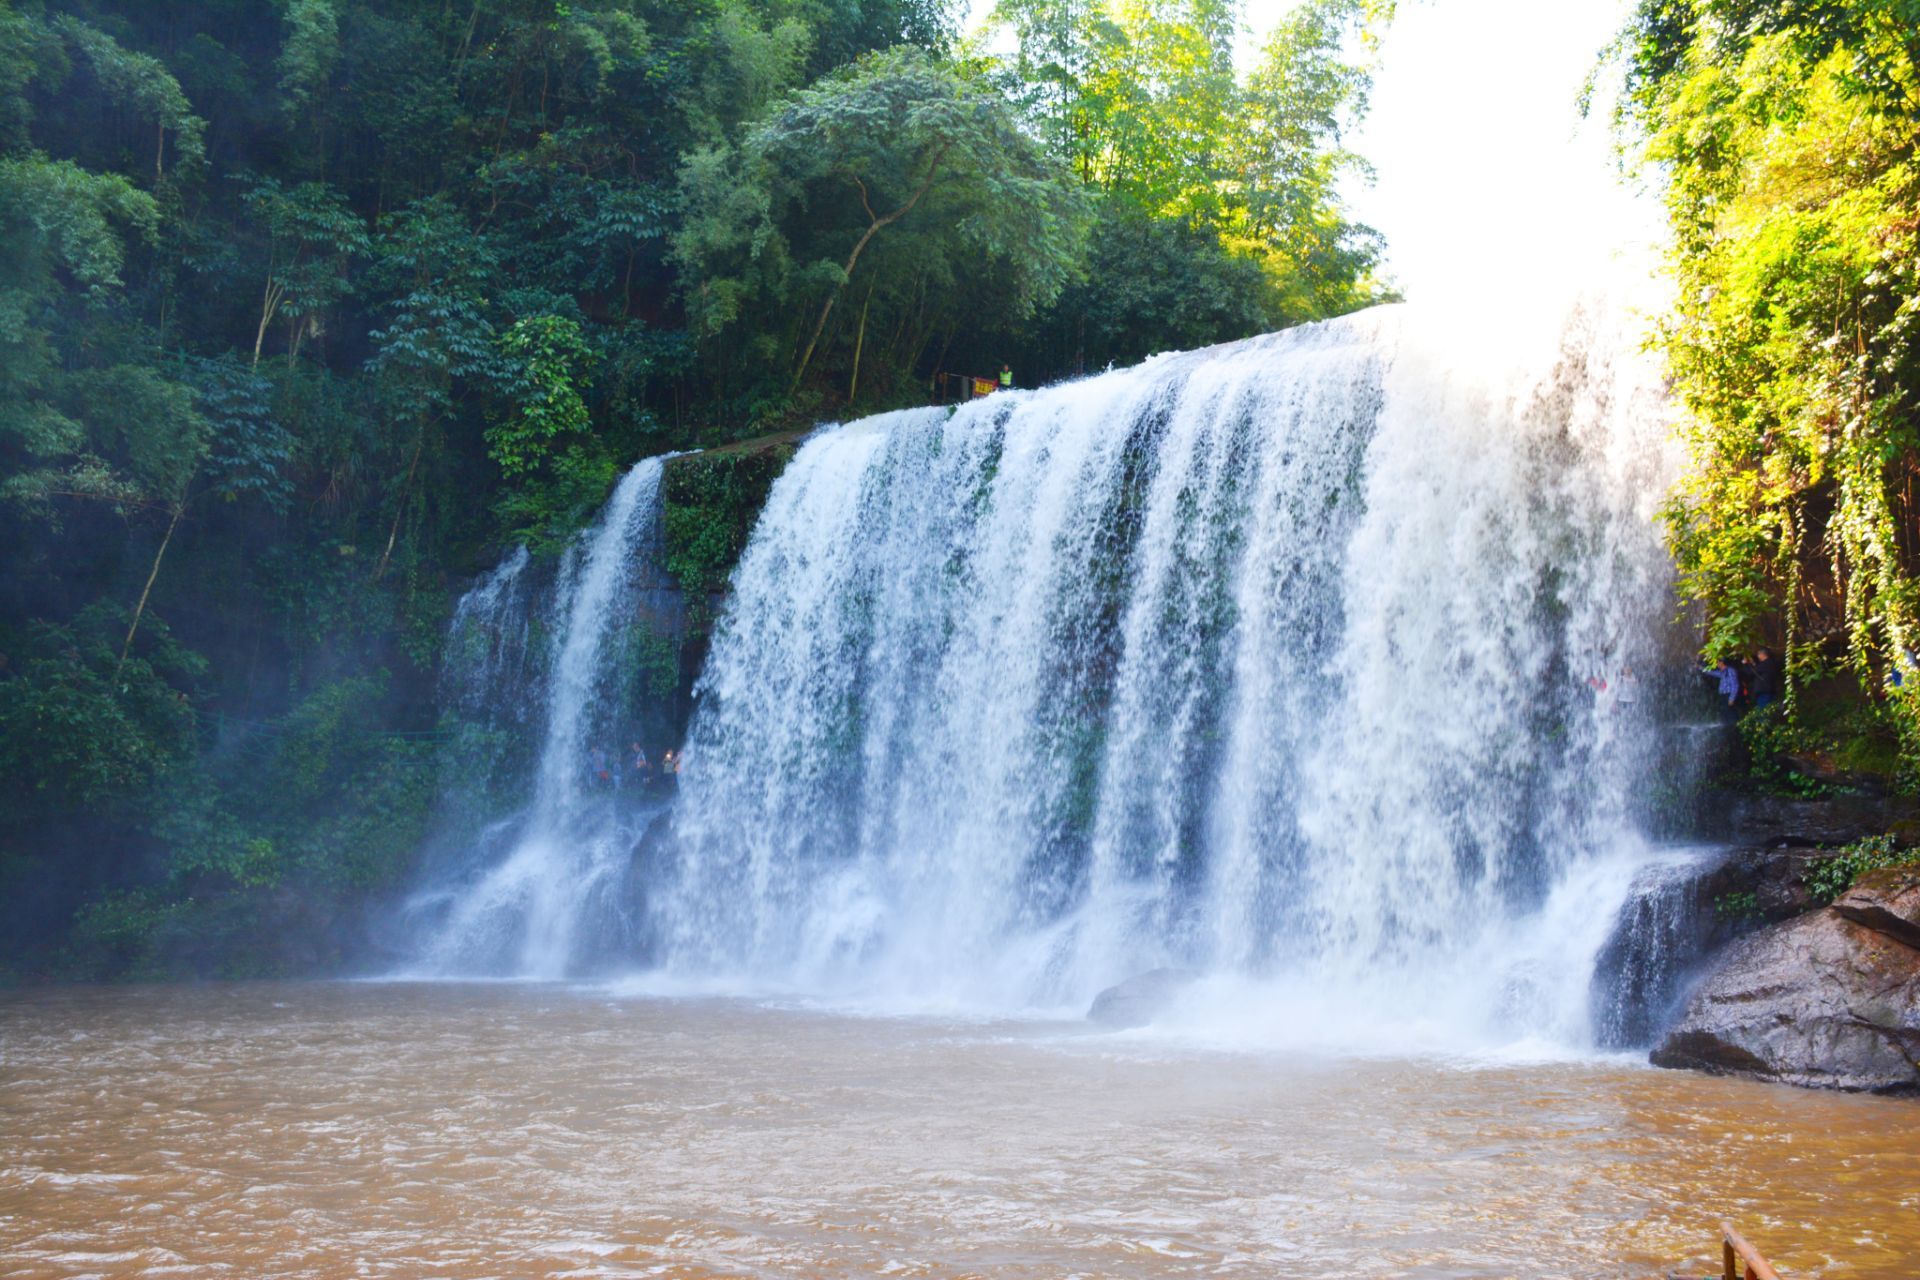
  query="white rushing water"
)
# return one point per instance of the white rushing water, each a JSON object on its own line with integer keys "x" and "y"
{"x": 1270, "y": 660}
{"x": 537, "y": 899}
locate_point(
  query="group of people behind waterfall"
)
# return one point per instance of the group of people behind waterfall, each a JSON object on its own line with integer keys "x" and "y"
{"x": 635, "y": 768}
{"x": 1622, "y": 693}
{"x": 1743, "y": 685}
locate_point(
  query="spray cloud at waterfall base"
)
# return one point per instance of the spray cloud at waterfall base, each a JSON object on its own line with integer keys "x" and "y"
{"x": 547, "y": 888}
{"x": 1274, "y": 662}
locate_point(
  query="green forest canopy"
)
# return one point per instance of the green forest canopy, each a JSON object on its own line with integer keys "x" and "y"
{"x": 1782, "y": 134}
{"x": 311, "y": 307}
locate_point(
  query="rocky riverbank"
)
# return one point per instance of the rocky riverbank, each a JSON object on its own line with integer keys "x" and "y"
{"x": 1803, "y": 993}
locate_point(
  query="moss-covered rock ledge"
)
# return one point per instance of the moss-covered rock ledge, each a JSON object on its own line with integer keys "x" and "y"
{"x": 709, "y": 502}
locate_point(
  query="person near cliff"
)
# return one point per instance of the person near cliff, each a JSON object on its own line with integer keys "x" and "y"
{"x": 1006, "y": 377}
{"x": 1726, "y": 678}
{"x": 1769, "y": 677}
{"x": 1626, "y": 691}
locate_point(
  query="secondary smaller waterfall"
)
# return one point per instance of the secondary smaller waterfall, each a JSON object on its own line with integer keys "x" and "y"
{"x": 546, "y": 890}
{"x": 1663, "y": 931}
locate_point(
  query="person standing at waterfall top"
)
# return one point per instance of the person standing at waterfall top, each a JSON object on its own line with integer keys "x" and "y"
{"x": 1006, "y": 377}
{"x": 1769, "y": 677}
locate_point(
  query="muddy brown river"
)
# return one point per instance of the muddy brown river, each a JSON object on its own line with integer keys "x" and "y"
{"x": 468, "y": 1131}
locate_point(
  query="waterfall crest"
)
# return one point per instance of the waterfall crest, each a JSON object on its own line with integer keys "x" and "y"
{"x": 1276, "y": 658}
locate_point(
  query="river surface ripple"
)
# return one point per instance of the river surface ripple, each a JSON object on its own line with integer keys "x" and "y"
{"x": 366, "y": 1130}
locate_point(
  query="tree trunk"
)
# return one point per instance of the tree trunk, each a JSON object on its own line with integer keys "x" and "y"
{"x": 406, "y": 486}
{"x": 940, "y": 361}
{"x": 921, "y": 339}
{"x": 853, "y": 259}
{"x": 859, "y": 343}
{"x": 466, "y": 41}
{"x": 909, "y": 320}
{"x": 126, "y": 647}
{"x": 269, "y": 305}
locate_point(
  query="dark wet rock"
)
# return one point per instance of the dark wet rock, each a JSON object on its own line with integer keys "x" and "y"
{"x": 1819, "y": 1000}
{"x": 1140, "y": 999}
{"x": 1688, "y": 804}
{"x": 1774, "y": 879}
{"x": 1886, "y": 901}
{"x": 1783, "y": 821}
{"x": 1775, "y": 842}
{"x": 1664, "y": 930}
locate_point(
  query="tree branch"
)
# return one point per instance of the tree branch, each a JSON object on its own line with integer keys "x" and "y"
{"x": 873, "y": 228}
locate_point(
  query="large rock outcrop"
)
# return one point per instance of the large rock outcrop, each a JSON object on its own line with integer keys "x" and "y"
{"x": 1823, "y": 1000}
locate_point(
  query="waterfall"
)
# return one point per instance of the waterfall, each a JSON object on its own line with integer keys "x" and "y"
{"x": 1661, "y": 934}
{"x": 1277, "y": 659}
{"x": 548, "y": 888}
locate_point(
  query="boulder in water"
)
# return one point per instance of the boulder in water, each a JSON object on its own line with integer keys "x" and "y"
{"x": 1140, "y": 999}
{"x": 1820, "y": 1001}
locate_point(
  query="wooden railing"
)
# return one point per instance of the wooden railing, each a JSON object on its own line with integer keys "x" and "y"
{"x": 1741, "y": 1261}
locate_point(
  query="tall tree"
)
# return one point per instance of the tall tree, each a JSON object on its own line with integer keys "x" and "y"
{"x": 1784, "y": 138}
{"x": 898, "y": 141}
{"x": 1232, "y": 183}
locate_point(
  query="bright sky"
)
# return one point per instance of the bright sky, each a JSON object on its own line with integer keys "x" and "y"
{"x": 1487, "y": 179}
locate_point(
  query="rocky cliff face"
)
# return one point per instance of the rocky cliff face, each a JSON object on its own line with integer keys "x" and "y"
{"x": 1829, "y": 999}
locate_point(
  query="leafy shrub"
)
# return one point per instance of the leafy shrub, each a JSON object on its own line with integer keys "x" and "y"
{"x": 78, "y": 727}
{"x": 710, "y": 503}
{"x": 1771, "y": 736}
{"x": 270, "y": 849}
{"x": 1828, "y": 878}
{"x": 113, "y": 934}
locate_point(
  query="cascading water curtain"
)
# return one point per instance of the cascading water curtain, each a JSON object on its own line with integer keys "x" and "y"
{"x": 1276, "y": 658}
{"x": 549, "y": 889}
